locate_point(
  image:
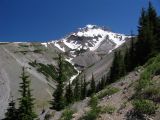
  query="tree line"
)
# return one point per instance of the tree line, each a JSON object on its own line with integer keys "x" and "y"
{"x": 66, "y": 95}
{"x": 141, "y": 48}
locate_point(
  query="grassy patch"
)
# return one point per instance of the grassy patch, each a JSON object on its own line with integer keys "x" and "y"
{"x": 107, "y": 92}
{"x": 108, "y": 109}
{"x": 67, "y": 114}
{"x": 94, "y": 111}
{"x": 144, "y": 106}
{"x": 148, "y": 90}
{"x": 151, "y": 68}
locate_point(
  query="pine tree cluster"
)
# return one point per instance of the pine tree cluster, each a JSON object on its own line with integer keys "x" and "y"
{"x": 142, "y": 47}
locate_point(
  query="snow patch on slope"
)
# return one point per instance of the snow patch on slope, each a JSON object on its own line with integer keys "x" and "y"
{"x": 58, "y": 46}
{"x": 45, "y": 44}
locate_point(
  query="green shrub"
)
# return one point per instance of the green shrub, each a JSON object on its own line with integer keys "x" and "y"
{"x": 67, "y": 114}
{"x": 151, "y": 92}
{"x": 108, "y": 109}
{"x": 94, "y": 101}
{"x": 108, "y": 91}
{"x": 144, "y": 107}
{"x": 47, "y": 117}
{"x": 151, "y": 68}
{"x": 92, "y": 115}
{"x": 95, "y": 110}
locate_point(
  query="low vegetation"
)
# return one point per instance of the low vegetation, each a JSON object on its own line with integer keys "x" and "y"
{"x": 148, "y": 90}
{"x": 94, "y": 111}
{"x": 51, "y": 71}
{"x": 108, "y": 109}
{"x": 144, "y": 107}
{"x": 67, "y": 114}
{"x": 107, "y": 92}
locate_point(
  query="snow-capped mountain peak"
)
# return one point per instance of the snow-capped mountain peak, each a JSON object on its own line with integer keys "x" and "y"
{"x": 90, "y": 38}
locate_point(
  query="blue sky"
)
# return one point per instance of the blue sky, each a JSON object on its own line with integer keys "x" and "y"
{"x": 44, "y": 20}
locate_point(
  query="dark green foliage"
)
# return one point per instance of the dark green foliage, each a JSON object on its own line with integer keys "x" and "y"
{"x": 58, "y": 101}
{"x": 150, "y": 70}
{"x": 102, "y": 83}
{"x": 50, "y": 71}
{"x": 47, "y": 70}
{"x": 67, "y": 114}
{"x": 140, "y": 50}
{"x": 69, "y": 70}
{"x": 94, "y": 101}
{"x": 11, "y": 113}
{"x": 148, "y": 90}
{"x": 144, "y": 107}
{"x": 95, "y": 110}
{"x": 114, "y": 69}
{"x": 77, "y": 91}
{"x": 26, "y": 101}
{"x": 147, "y": 35}
{"x": 83, "y": 88}
{"x": 108, "y": 109}
{"x": 69, "y": 94}
{"x": 92, "y": 85}
{"x": 47, "y": 116}
{"x": 118, "y": 68}
{"x": 107, "y": 92}
{"x": 146, "y": 87}
{"x": 158, "y": 35}
{"x": 98, "y": 86}
{"x": 152, "y": 93}
{"x": 130, "y": 57}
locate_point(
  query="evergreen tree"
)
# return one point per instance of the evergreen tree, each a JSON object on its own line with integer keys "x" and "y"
{"x": 127, "y": 61}
{"x": 114, "y": 68}
{"x": 11, "y": 113}
{"x": 81, "y": 87}
{"x": 84, "y": 88}
{"x": 158, "y": 35}
{"x": 142, "y": 44}
{"x": 132, "y": 54}
{"x": 121, "y": 66}
{"x": 26, "y": 101}
{"x": 107, "y": 79}
{"x": 153, "y": 27}
{"x": 69, "y": 94}
{"x": 98, "y": 87}
{"x": 77, "y": 91}
{"x": 117, "y": 68}
{"x": 58, "y": 101}
{"x": 92, "y": 85}
{"x": 102, "y": 83}
{"x": 146, "y": 45}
